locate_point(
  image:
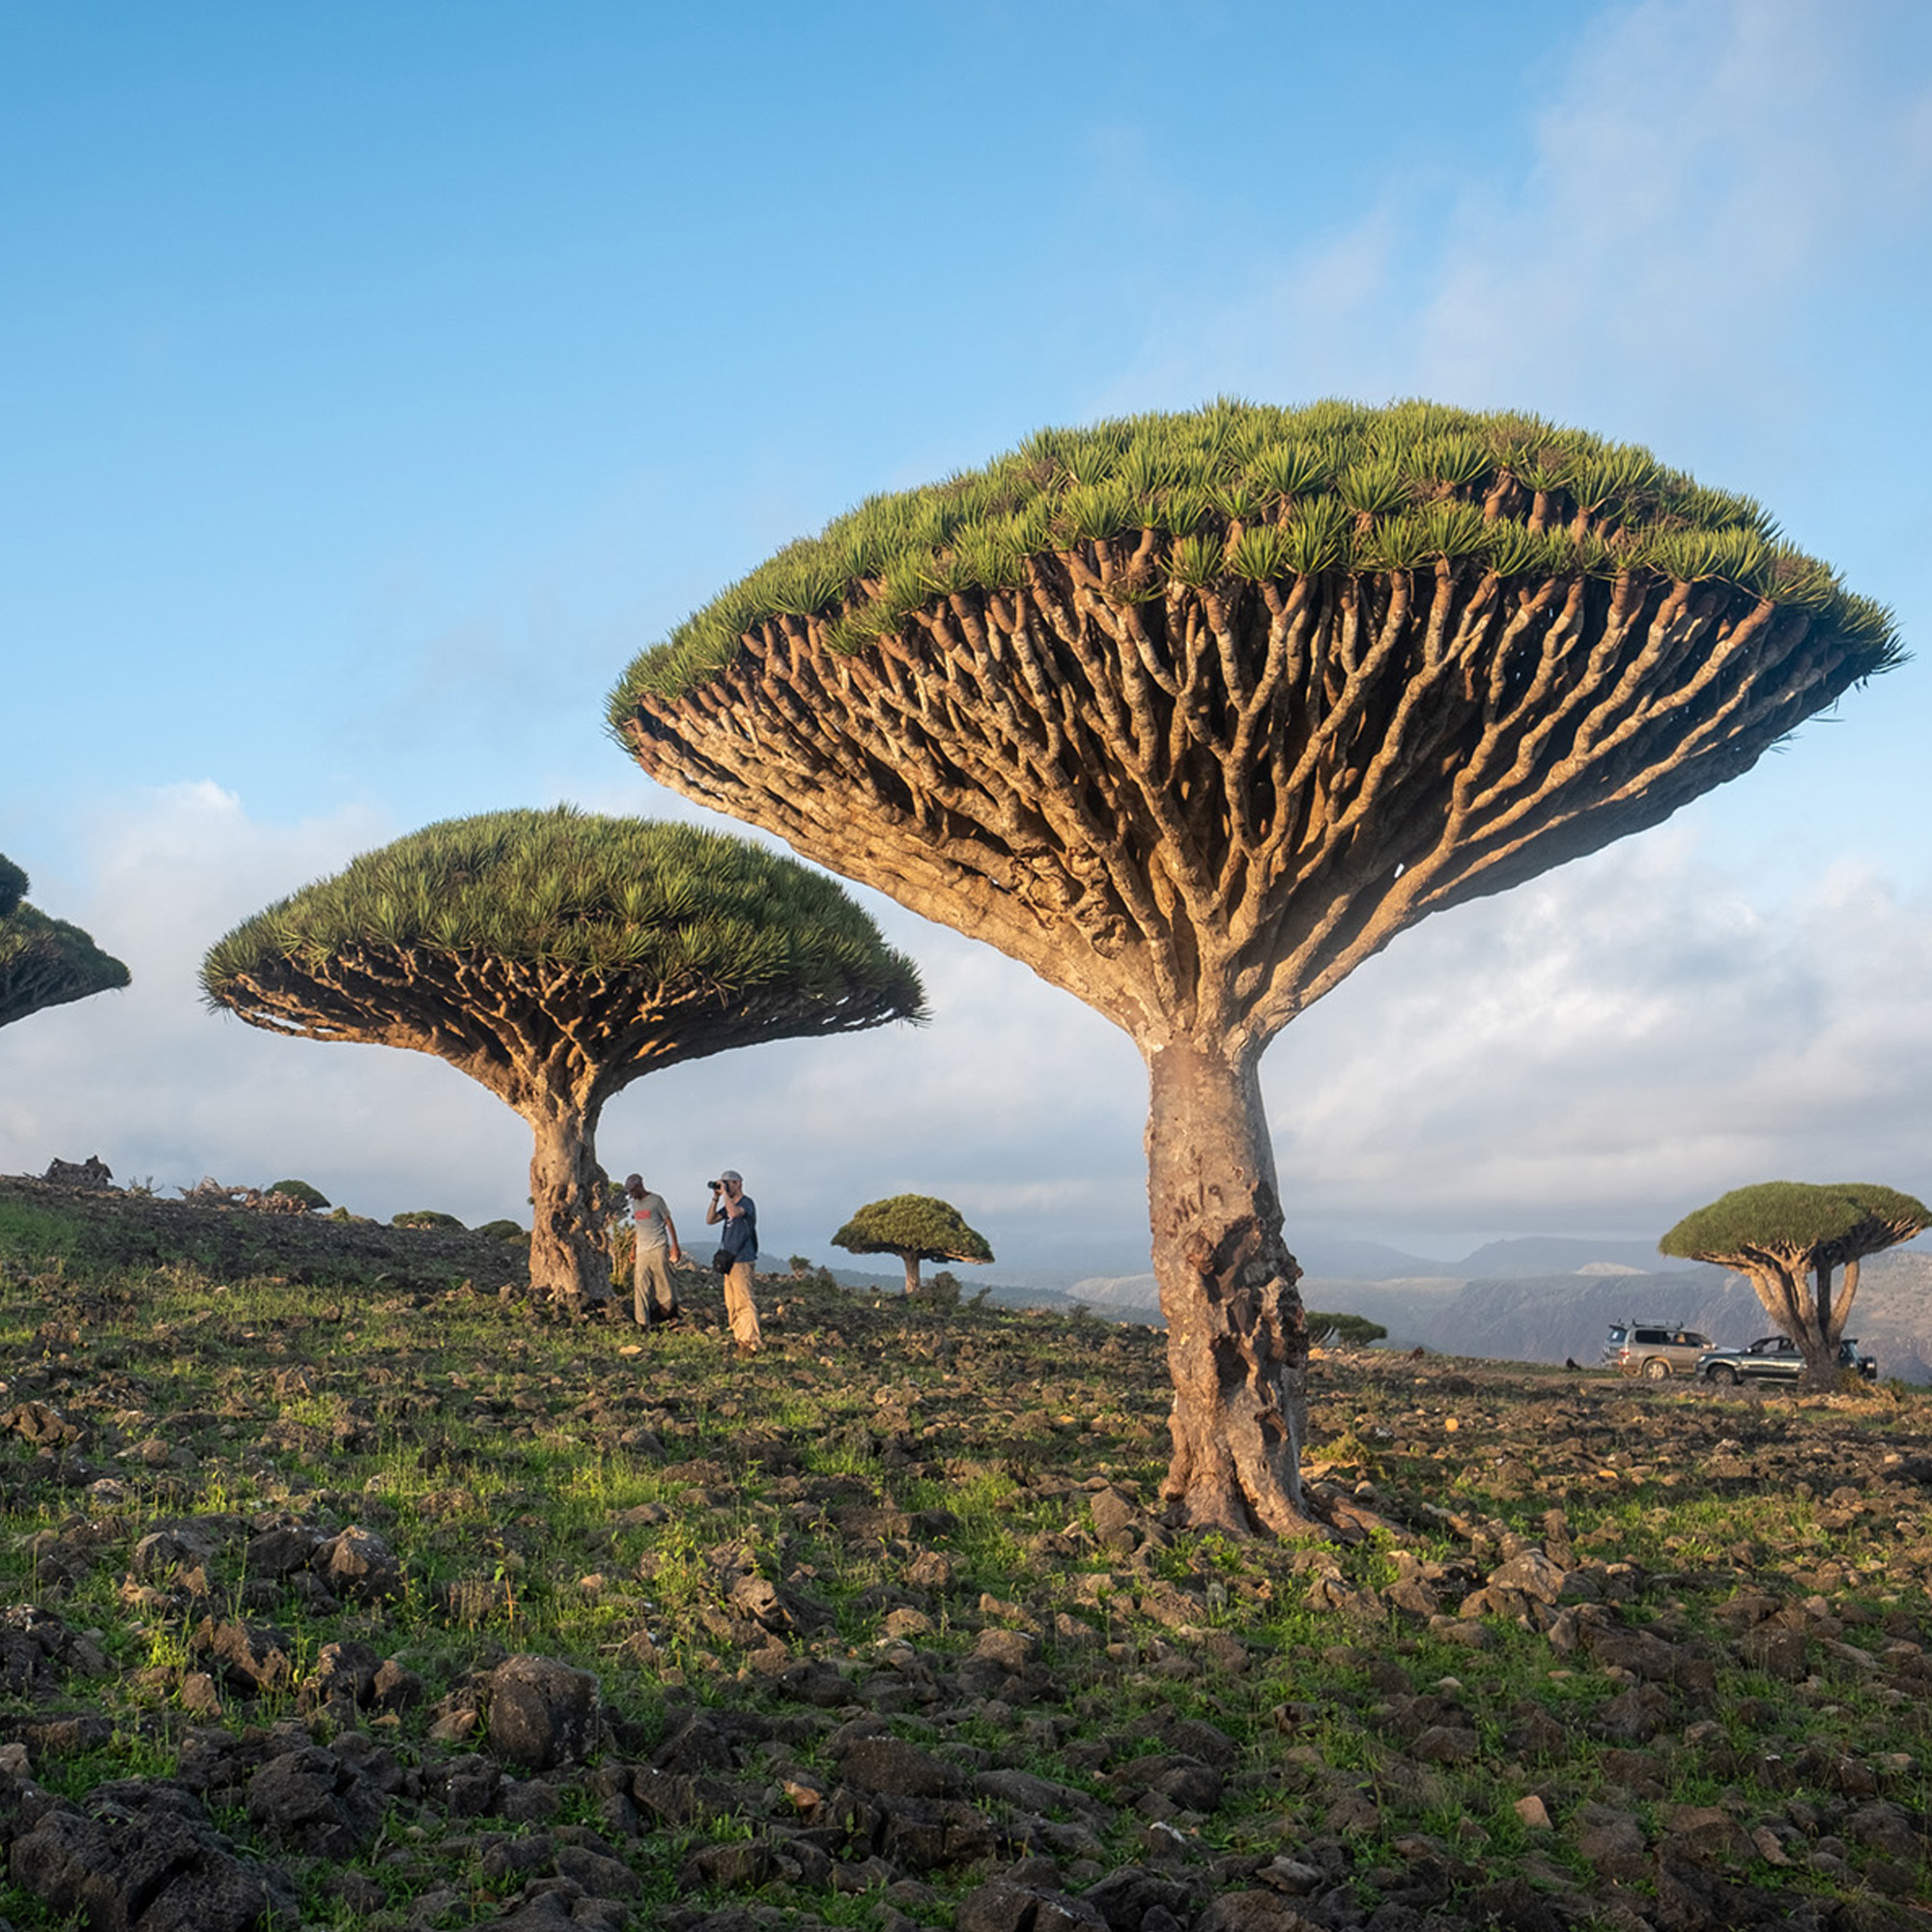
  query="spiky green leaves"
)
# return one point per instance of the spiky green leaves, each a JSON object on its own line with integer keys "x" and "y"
{"x": 1241, "y": 491}
{"x": 545, "y": 953}
{"x": 1841, "y": 1221}
{"x": 13, "y": 885}
{"x": 47, "y": 962}
{"x": 912, "y": 1225}
{"x": 666, "y": 904}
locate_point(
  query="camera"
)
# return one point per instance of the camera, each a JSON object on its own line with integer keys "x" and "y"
{"x": 716, "y": 1186}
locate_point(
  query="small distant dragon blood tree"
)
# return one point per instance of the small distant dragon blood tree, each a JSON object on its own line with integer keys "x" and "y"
{"x": 44, "y": 963}
{"x": 1788, "y": 1239}
{"x": 555, "y": 958}
{"x": 915, "y": 1227}
{"x": 1194, "y": 714}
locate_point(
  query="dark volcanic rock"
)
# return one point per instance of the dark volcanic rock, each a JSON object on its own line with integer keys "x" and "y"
{"x": 359, "y": 1565}
{"x": 142, "y": 1857}
{"x": 903, "y": 1769}
{"x": 314, "y": 1802}
{"x": 1002, "y": 1906}
{"x": 542, "y": 1713}
{"x": 251, "y": 1657}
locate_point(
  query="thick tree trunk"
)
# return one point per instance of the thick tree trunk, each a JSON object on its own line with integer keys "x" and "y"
{"x": 569, "y": 1259}
{"x": 912, "y": 1272}
{"x": 1236, "y": 1338}
{"x": 1803, "y": 1311}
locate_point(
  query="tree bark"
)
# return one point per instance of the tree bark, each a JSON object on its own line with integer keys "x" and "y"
{"x": 911, "y": 1258}
{"x": 568, "y": 1257}
{"x": 1785, "y": 1286}
{"x": 1237, "y": 1337}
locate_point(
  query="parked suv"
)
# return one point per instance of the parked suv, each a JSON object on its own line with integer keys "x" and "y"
{"x": 1774, "y": 1358}
{"x": 1656, "y": 1349}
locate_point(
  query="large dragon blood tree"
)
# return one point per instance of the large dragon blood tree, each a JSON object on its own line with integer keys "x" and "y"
{"x": 44, "y": 963}
{"x": 1193, "y": 714}
{"x": 1788, "y": 1239}
{"x": 555, "y": 958}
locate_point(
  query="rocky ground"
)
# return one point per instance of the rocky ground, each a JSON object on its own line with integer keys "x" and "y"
{"x": 377, "y": 1595}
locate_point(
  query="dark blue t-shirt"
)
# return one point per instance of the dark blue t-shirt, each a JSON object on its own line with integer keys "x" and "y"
{"x": 739, "y": 1235}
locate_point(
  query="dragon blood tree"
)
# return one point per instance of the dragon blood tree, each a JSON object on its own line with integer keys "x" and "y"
{"x": 1788, "y": 1239}
{"x": 555, "y": 958}
{"x": 916, "y": 1228}
{"x": 1193, "y": 714}
{"x": 44, "y": 963}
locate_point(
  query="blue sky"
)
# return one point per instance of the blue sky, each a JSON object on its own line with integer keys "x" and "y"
{"x": 373, "y": 383}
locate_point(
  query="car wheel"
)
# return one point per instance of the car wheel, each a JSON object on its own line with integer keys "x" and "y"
{"x": 1725, "y": 1375}
{"x": 1657, "y": 1370}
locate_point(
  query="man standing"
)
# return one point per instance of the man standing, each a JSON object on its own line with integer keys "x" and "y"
{"x": 738, "y": 1245}
{"x": 652, "y": 1298}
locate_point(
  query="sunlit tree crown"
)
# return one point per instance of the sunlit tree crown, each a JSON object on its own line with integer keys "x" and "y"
{"x": 652, "y": 901}
{"x": 1797, "y": 1217}
{"x": 913, "y": 1224}
{"x": 1242, "y": 491}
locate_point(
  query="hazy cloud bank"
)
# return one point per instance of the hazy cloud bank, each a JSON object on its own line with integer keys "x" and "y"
{"x": 1592, "y": 1054}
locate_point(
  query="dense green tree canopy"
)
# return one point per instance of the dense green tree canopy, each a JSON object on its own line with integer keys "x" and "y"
{"x": 1251, "y": 493}
{"x": 1194, "y": 714}
{"x": 555, "y": 956}
{"x": 44, "y": 963}
{"x": 1788, "y": 1239}
{"x": 485, "y": 939}
{"x": 915, "y": 1227}
{"x": 1845, "y": 1220}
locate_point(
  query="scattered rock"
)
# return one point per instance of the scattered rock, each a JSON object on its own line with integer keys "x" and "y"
{"x": 543, "y": 1713}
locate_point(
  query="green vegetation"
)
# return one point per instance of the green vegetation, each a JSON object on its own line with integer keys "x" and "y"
{"x": 1353, "y": 1331}
{"x": 311, "y": 1198}
{"x": 1836, "y": 1220}
{"x": 1192, "y": 715}
{"x": 557, "y": 957}
{"x": 425, "y": 1217}
{"x": 44, "y": 963}
{"x": 1788, "y": 1239}
{"x": 943, "y": 1522}
{"x": 915, "y": 1227}
{"x": 1247, "y": 490}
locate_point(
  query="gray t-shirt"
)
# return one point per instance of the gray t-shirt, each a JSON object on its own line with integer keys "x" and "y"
{"x": 647, "y": 1217}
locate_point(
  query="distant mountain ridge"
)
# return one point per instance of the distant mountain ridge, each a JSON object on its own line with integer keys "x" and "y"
{"x": 1557, "y": 1317}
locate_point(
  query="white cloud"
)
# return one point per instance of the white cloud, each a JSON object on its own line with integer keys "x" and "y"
{"x": 1709, "y": 185}
{"x": 159, "y": 1086}
{"x": 1593, "y": 1053}
{"x": 1608, "y": 1047}
{"x": 1016, "y": 1103}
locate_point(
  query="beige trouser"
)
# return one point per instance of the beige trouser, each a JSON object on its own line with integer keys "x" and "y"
{"x": 651, "y": 1295}
{"x": 740, "y": 1307}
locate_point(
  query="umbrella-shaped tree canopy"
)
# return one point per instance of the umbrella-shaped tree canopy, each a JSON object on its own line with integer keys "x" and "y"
{"x": 915, "y": 1227}
{"x": 1788, "y": 1239}
{"x": 555, "y": 958}
{"x": 1193, "y": 714}
{"x": 44, "y": 963}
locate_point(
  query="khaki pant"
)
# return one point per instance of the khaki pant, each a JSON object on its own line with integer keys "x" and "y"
{"x": 652, "y": 1298}
{"x": 740, "y": 1307}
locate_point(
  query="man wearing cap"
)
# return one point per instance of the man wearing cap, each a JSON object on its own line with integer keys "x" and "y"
{"x": 738, "y": 1251}
{"x": 652, "y": 1298}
